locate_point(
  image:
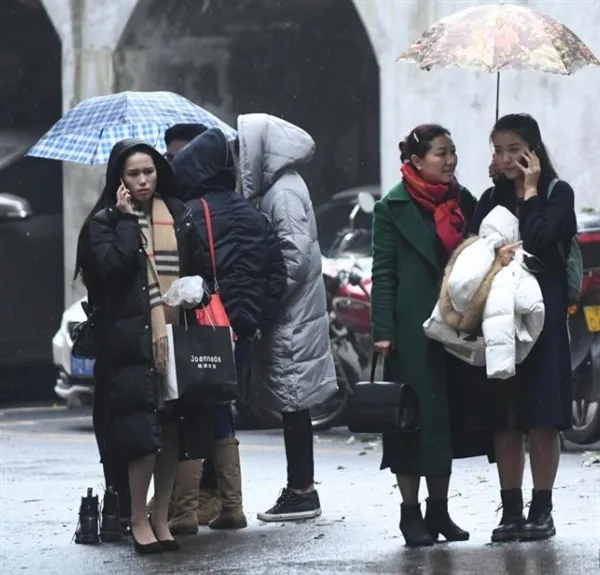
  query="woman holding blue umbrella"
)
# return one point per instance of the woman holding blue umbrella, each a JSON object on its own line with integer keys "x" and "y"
{"x": 134, "y": 244}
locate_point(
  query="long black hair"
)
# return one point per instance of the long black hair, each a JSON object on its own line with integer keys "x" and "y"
{"x": 165, "y": 186}
{"x": 527, "y": 128}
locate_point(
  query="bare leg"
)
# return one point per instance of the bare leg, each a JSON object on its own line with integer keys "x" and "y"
{"x": 509, "y": 447}
{"x": 544, "y": 453}
{"x": 140, "y": 473}
{"x": 164, "y": 478}
{"x": 544, "y": 456}
{"x": 510, "y": 455}
{"x": 409, "y": 488}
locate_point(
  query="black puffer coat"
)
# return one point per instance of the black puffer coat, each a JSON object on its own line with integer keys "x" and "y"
{"x": 250, "y": 269}
{"x": 114, "y": 269}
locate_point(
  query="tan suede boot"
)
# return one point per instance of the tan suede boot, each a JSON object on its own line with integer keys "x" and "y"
{"x": 185, "y": 498}
{"x": 226, "y": 458}
{"x": 209, "y": 505}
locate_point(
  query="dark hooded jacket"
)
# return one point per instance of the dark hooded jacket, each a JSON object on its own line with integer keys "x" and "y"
{"x": 113, "y": 265}
{"x": 251, "y": 272}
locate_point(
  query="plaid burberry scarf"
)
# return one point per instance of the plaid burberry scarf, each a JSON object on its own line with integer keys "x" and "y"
{"x": 160, "y": 244}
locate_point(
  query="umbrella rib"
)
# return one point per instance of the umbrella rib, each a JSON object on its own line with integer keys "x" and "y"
{"x": 95, "y": 154}
{"x": 493, "y": 67}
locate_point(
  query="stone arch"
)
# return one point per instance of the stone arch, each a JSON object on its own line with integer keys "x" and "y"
{"x": 309, "y": 61}
{"x": 30, "y": 99}
{"x": 31, "y": 91}
{"x": 30, "y": 102}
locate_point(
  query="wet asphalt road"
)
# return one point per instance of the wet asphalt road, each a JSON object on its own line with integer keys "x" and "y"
{"x": 49, "y": 457}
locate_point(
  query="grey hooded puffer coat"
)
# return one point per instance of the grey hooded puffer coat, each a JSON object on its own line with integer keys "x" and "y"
{"x": 292, "y": 367}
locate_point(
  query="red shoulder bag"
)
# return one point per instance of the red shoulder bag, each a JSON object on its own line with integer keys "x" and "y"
{"x": 214, "y": 313}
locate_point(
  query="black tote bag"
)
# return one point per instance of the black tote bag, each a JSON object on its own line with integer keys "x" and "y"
{"x": 382, "y": 407}
{"x": 202, "y": 364}
{"x": 84, "y": 343}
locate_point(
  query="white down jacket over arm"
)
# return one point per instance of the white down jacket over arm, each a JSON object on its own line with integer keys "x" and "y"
{"x": 512, "y": 307}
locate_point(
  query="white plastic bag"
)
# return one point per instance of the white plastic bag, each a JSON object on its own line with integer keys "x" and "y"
{"x": 468, "y": 347}
{"x": 188, "y": 291}
{"x": 171, "y": 387}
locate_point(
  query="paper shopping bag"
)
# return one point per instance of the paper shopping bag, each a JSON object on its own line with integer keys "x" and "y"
{"x": 202, "y": 364}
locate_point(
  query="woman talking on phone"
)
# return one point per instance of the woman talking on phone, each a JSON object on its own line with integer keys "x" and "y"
{"x": 134, "y": 244}
{"x": 537, "y": 401}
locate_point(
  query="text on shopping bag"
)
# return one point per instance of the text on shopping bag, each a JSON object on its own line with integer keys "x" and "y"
{"x": 204, "y": 364}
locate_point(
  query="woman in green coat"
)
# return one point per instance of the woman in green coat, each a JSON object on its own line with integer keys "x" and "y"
{"x": 416, "y": 227}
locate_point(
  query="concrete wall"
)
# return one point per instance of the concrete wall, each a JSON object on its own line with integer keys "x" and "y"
{"x": 568, "y": 108}
{"x": 30, "y": 87}
{"x": 89, "y": 31}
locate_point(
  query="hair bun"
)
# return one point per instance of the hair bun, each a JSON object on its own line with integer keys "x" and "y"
{"x": 402, "y": 147}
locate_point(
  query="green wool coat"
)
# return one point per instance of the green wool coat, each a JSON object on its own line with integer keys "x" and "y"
{"x": 407, "y": 274}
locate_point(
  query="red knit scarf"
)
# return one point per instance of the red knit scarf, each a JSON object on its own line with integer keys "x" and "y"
{"x": 442, "y": 201}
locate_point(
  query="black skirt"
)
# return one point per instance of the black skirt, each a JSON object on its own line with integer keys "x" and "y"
{"x": 540, "y": 394}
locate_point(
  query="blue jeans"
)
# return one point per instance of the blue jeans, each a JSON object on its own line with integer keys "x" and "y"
{"x": 222, "y": 421}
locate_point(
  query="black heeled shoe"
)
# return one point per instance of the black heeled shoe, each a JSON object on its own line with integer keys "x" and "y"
{"x": 413, "y": 526}
{"x": 147, "y": 549}
{"x": 170, "y": 545}
{"x": 439, "y": 522}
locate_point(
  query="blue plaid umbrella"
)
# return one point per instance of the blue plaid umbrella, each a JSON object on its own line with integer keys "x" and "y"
{"x": 87, "y": 133}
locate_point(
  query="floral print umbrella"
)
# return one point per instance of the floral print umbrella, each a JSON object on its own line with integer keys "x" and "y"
{"x": 500, "y": 37}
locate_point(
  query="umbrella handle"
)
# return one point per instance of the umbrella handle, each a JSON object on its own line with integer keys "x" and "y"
{"x": 497, "y": 95}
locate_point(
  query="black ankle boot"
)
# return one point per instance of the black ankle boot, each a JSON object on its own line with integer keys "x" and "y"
{"x": 438, "y": 522}
{"x": 87, "y": 528}
{"x": 413, "y": 526}
{"x": 110, "y": 528}
{"x": 539, "y": 524}
{"x": 512, "y": 522}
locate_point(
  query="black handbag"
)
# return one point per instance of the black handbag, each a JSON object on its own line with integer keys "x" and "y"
{"x": 382, "y": 407}
{"x": 82, "y": 336}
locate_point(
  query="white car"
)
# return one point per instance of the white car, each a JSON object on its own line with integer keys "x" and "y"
{"x": 75, "y": 383}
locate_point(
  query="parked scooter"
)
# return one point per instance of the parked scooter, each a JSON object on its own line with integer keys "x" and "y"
{"x": 348, "y": 289}
{"x": 584, "y": 328}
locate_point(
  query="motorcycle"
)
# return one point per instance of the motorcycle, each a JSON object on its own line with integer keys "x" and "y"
{"x": 584, "y": 329}
{"x": 348, "y": 287}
